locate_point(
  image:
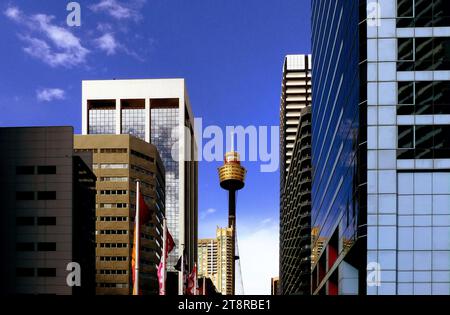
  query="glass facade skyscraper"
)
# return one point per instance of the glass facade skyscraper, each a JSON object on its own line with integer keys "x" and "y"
{"x": 381, "y": 158}
{"x": 157, "y": 111}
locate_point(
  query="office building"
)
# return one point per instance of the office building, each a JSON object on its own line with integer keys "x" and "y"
{"x": 295, "y": 181}
{"x": 118, "y": 161}
{"x": 48, "y": 213}
{"x": 159, "y": 112}
{"x": 380, "y": 147}
{"x": 216, "y": 260}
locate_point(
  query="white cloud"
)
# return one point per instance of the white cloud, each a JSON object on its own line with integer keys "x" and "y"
{"x": 13, "y": 13}
{"x": 207, "y": 212}
{"x": 258, "y": 252}
{"x": 108, "y": 43}
{"x": 50, "y": 94}
{"x": 119, "y": 10}
{"x": 52, "y": 44}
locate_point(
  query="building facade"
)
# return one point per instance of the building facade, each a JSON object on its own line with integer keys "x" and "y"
{"x": 157, "y": 111}
{"x": 295, "y": 153}
{"x": 118, "y": 161}
{"x": 381, "y": 183}
{"x": 216, "y": 258}
{"x": 207, "y": 259}
{"x": 48, "y": 213}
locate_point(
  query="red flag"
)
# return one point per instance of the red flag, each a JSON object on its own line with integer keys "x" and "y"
{"x": 145, "y": 215}
{"x": 192, "y": 278}
{"x": 170, "y": 243}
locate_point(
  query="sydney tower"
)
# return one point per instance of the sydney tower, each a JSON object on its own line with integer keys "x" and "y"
{"x": 232, "y": 176}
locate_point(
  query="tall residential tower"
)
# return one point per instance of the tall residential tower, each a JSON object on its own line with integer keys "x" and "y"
{"x": 295, "y": 178}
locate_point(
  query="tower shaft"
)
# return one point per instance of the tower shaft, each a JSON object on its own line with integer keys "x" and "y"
{"x": 232, "y": 225}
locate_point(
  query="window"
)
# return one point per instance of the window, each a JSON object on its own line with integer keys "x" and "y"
{"x": 25, "y": 247}
{"x": 115, "y": 150}
{"x": 46, "y": 247}
{"x": 24, "y": 221}
{"x": 405, "y": 137}
{"x": 46, "y": 220}
{"x": 46, "y": 195}
{"x": 113, "y": 245}
{"x": 423, "y": 98}
{"x": 113, "y": 232}
{"x": 113, "y": 166}
{"x": 422, "y": 13}
{"x": 423, "y": 142}
{"x": 24, "y": 170}
{"x": 113, "y": 179}
{"x": 24, "y": 195}
{"x": 25, "y": 272}
{"x": 142, "y": 156}
{"x": 113, "y": 192}
{"x": 103, "y": 121}
{"x": 46, "y": 272}
{"x": 46, "y": 169}
{"x": 423, "y": 54}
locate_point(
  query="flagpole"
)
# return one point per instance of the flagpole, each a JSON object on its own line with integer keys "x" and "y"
{"x": 195, "y": 279}
{"x": 181, "y": 284}
{"x": 164, "y": 258}
{"x": 136, "y": 230}
{"x": 204, "y": 285}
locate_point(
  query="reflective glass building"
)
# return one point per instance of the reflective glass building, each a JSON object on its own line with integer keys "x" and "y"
{"x": 381, "y": 158}
{"x": 157, "y": 111}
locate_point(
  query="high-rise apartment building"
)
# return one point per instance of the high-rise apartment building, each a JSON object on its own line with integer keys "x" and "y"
{"x": 215, "y": 259}
{"x": 118, "y": 162}
{"x": 380, "y": 147}
{"x": 295, "y": 181}
{"x": 159, "y": 112}
{"x": 295, "y": 95}
{"x": 207, "y": 259}
{"x": 48, "y": 213}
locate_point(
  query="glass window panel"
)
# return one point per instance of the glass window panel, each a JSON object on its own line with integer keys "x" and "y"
{"x": 405, "y": 137}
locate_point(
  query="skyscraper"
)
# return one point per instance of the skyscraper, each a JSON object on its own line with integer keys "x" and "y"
{"x": 159, "y": 112}
{"x": 216, "y": 260}
{"x": 118, "y": 161}
{"x": 295, "y": 181}
{"x": 380, "y": 151}
{"x": 48, "y": 213}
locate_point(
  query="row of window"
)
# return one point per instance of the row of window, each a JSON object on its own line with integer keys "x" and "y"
{"x": 31, "y": 195}
{"x": 113, "y": 285}
{"x": 112, "y": 219}
{"x": 112, "y": 272}
{"x": 112, "y": 245}
{"x": 113, "y": 258}
{"x": 424, "y": 142}
{"x": 114, "y": 150}
{"x": 142, "y": 156}
{"x": 113, "y": 192}
{"x": 423, "y": 13}
{"x": 114, "y": 179}
{"x": 113, "y": 232}
{"x": 113, "y": 205}
{"x": 40, "y": 272}
{"x": 423, "y": 98}
{"x": 31, "y": 170}
{"x": 111, "y": 166}
{"x": 41, "y": 247}
{"x": 141, "y": 170}
{"x": 423, "y": 53}
{"x": 29, "y": 221}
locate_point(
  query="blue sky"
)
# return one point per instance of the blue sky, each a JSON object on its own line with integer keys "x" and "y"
{"x": 229, "y": 51}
